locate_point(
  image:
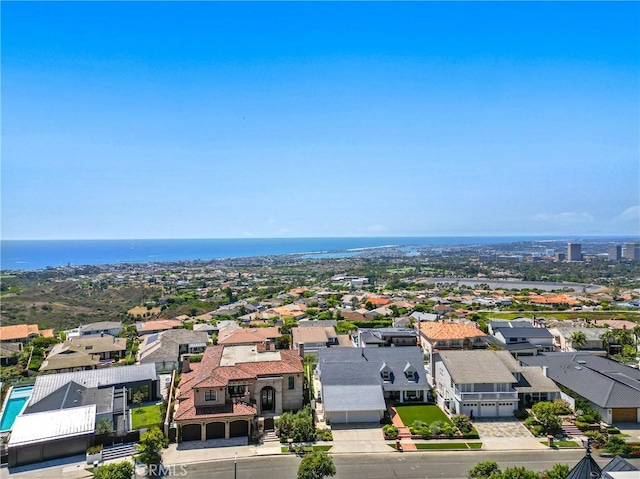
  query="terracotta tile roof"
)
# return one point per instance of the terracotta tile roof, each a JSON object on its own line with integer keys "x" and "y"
{"x": 19, "y": 331}
{"x": 46, "y": 333}
{"x": 377, "y": 301}
{"x": 187, "y": 410}
{"x": 208, "y": 373}
{"x": 437, "y": 331}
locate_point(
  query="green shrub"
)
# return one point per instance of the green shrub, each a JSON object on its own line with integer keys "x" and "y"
{"x": 94, "y": 449}
{"x": 386, "y": 418}
{"x": 420, "y": 428}
{"x": 324, "y": 435}
{"x": 581, "y": 425}
{"x": 390, "y": 431}
{"x": 613, "y": 430}
{"x": 298, "y": 426}
{"x": 616, "y": 445}
{"x": 462, "y": 422}
{"x": 597, "y": 437}
{"x": 538, "y": 430}
{"x": 562, "y": 407}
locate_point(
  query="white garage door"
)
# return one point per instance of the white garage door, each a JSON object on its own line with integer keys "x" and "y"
{"x": 354, "y": 416}
{"x": 505, "y": 409}
{"x": 488, "y": 409}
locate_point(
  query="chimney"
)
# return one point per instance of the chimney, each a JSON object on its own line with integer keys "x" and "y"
{"x": 301, "y": 350}
{"x": 545, "y": 370}
{"x": 186, "y": 365}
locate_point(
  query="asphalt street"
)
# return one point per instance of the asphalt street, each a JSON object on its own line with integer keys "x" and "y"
{"x": 419, "y": 465}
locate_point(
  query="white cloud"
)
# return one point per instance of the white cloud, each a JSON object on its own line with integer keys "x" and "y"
{"x": 630, "y": 214}
{"x": 563, "y": 218}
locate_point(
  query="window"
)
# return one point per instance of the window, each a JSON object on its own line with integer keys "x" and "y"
{"x": 292, "y": 382}
{"x": 385, "y": 375}
{"x": 409, "y": 374}
{"x": 237, "y": 390}
{"x": 455, "y": 342}
{"x": 209, "y": 395}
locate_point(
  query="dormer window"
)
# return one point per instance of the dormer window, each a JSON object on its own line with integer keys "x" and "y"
{"x": 410, "y": 373}
{"x": 386, "y": 375}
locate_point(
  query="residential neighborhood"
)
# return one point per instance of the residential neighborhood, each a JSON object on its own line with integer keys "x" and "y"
{"x": 402, "y": 359}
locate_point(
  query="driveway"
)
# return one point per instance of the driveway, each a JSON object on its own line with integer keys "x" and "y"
{"x": 363, "y": 437}
{"x": 506, "y": 433}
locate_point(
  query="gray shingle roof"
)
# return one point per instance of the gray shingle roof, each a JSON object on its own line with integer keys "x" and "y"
{"x": 362, "y": 366}
{"x": 167, "y": 343}
{"x": 93, "y": 378}
{"x": 353, "y": 398}
{"x": 524, "y": 332}
{"x": 100, "y": 326}
{"x": 480, "y": 366}
{"x": 602, "y": 381}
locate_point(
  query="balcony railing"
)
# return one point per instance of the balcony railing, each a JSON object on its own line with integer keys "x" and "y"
{"x": 486, "y": 396}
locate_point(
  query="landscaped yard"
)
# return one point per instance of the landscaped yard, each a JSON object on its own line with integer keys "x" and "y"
{"x": 454, "y": 445}
{"x": 563, "y": 443}
{"x": 307, "y": 448}
{"x": 446, "y": 445}
{"x": 145, "y": 417}
{"x": 427, "y": 413}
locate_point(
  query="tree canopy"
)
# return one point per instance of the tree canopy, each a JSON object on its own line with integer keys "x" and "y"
{"x": 316, "y": 465}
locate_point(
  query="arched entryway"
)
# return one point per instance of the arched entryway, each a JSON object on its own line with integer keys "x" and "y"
{"x": 268, "y": 399}
{"x": 239, "y": 428}
{"x": 215, "y": 430}
{"x": 191, "y": 432}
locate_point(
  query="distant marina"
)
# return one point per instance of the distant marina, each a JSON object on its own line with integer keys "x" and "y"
{"x": 40, "y": 254}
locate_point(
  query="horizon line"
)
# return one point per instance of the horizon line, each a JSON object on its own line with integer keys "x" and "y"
{"x": 538, "y": 235}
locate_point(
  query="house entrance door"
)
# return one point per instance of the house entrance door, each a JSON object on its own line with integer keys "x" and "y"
{"x": 268, "y": 399}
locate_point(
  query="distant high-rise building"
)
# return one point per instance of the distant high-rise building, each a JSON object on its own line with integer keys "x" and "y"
{"x": 615, "y": 252}
{"x": 574, "y": 251}
{"x": 550, "y": 252}
{"x": 561, "y": 256}
{"x": 631, "y": 251}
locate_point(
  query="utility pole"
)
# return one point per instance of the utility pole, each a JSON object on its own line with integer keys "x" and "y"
{"x": 235, "y": 465}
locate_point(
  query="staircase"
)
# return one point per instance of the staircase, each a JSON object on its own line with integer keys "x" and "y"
{"x": 570, "y": 429}
{"x": 270, "y": 436}
{"x": 118, "y": 452}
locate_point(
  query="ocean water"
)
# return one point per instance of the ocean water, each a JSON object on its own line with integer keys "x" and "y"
{"x": 36, "y": 254}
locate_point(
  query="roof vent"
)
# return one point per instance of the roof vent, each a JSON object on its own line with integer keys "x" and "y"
{"x": 578, "y": 368}
{"x": 581, "y": 361}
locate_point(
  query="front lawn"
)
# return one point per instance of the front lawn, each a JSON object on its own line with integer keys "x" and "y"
{"x": 145, "y": 417}
{"x": 427, "y": 413}
{"x": 446, "y": 445}
{"x": 306, "y": 448}
{"x": 563, "y": 443}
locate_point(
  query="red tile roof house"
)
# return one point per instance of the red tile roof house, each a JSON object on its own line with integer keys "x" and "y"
{"x": 236, "y": 391}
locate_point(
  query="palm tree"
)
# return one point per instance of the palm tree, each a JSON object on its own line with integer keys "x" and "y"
{"x": 578, "y": 339}
{"x": 636, "y": 333}
{"x": 607, "y": 338}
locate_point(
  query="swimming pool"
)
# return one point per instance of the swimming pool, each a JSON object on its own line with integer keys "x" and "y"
{"x": 13, "y": 406}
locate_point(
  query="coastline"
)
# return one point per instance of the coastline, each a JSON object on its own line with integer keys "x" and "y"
{"x": 32, "y": 255}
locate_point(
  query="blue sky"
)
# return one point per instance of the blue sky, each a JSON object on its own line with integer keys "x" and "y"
{"x": 212, "y": 120}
